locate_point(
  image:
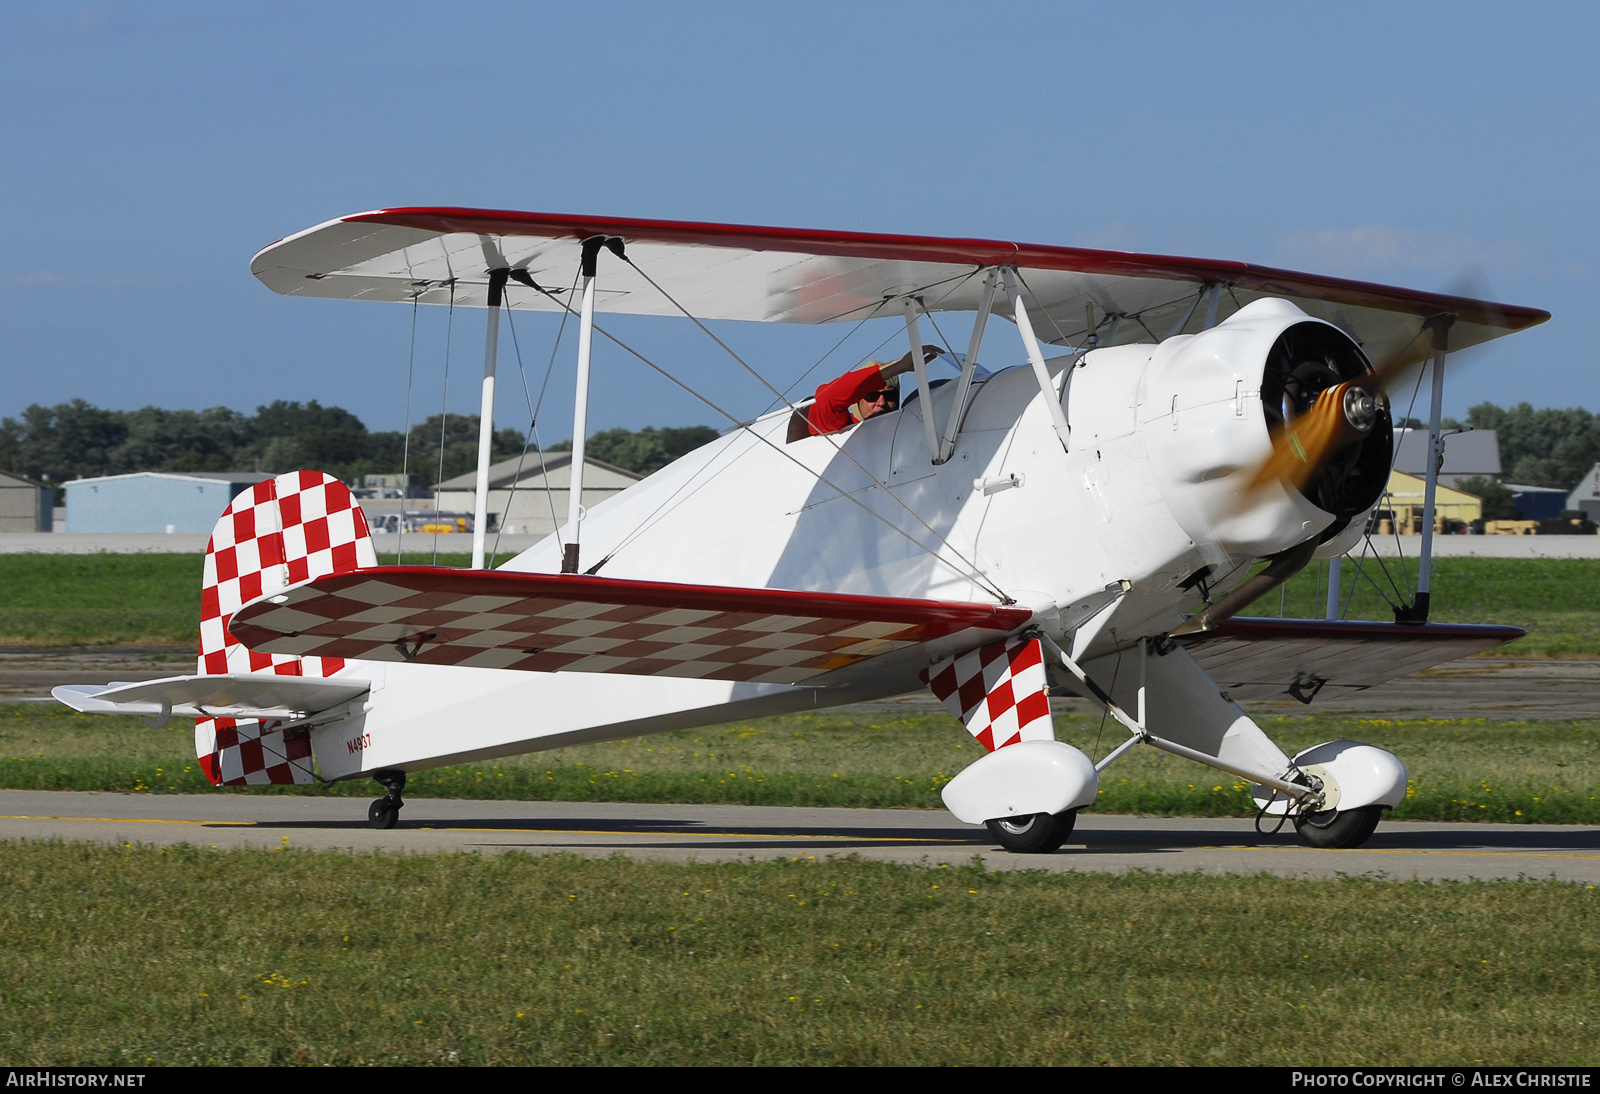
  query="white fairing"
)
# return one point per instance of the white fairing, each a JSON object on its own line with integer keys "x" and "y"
{"x": 1353, "y": 775}
{"x": 1185, "y": 705}
{"x": 1146, "y": 496}
{"x": 1021, "y": 780}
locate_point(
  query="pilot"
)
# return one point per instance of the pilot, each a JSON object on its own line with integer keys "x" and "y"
{"x": 865, "y": 393}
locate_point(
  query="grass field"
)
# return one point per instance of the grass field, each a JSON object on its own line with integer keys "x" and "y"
{"x": 1557, "y": 601}
{"x": 109, "y": 600}
{"x": 133, "y": 956}
{"x": 1533, "y": 772}
{"x": 83, "y": 600}
{"x": 137, "y": 956}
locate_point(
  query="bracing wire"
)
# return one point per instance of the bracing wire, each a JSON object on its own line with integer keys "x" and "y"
{"x": 954, "y": 285}
{"x": 1042, "y": 309}
{"x": 533, "y": 423}
{"x": 1404, "y": 587}
{"x": 650, "y": 518}
{"x": 527, "y": 398}
{"x": 405, "y": 447}
{"x": 532, "y": 433}
{"x": 818, "y": 362}
{"x": 948, "y": 346}
{"x": 444, "y": 415}
{"x": 982, "y": 578}
{"x": 1115, "y": 671}
{"x": 973, "y": 570}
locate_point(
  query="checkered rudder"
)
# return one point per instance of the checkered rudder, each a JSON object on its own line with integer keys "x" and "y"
{"x": 279, "y": 533}
{"x": 999, "y": 692}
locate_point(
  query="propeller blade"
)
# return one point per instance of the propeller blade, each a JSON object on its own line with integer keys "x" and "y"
{"x": 1284, "y": 565}
{"x": 1341, "y": 414}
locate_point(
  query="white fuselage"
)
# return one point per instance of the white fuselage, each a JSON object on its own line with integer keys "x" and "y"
{"x": 1145, "y": 495}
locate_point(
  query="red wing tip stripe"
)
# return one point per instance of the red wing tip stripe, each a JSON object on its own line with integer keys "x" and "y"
{"x": 974, "y": 252}
{"x": 388, "y": 584}
{"x": 1247, "y": 629}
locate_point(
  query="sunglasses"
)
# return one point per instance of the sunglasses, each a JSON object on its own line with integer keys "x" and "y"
{"x": 891, "y": 397}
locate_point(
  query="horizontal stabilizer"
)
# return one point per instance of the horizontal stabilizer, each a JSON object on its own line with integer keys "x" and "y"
{"x": 572, "y": 623}
{"x": 230, "y": 695}
{"x": 1272, "y": 658}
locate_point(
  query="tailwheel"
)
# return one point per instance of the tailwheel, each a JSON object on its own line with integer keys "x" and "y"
{"x": 1038, "y": 834}
{"x": 1338, "y": 829}
{"x": 384, "y": 812}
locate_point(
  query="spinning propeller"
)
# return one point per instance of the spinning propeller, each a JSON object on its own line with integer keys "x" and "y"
{"x": 1331, "y": 440}
{"x": 1329, "y": 420}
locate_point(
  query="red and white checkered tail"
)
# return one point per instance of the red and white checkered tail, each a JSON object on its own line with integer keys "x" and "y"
{"x": 999, "y": 692}
{"x": 279, "y": 533}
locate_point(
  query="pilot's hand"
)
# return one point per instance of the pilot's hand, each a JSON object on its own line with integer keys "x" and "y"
{"x": 928, "y": 354}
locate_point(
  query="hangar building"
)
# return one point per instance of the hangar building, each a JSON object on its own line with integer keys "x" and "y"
{"x": 1467, "y": 455}
{"x": 529, "y": 496}
{"x": 25, "y": 505}
{"x": 154, "y": 501}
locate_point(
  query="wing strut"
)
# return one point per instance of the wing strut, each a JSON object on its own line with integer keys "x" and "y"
{"x": 491, "y": 352}
{"x": 969, "y": 368}
{"x": 580, "y": 401}
{"x": 914, "y": 334}
{"x": 1052, "y": 402}
{"x": 1430, "y": 483}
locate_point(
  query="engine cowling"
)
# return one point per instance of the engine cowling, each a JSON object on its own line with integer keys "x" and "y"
{"x": 1210, "y": 405}
{"x": 1205, "y": 408}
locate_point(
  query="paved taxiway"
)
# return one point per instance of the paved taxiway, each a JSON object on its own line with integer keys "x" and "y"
{"x": 720, "y": 833}
{"x": 1472, "y": 688}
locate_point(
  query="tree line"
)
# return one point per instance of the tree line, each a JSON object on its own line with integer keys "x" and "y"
{"x": 55, "y": 444}
{"x": 1545, "y": 447}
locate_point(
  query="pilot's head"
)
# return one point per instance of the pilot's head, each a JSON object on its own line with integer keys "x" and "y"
{"x": 878, "y": 402}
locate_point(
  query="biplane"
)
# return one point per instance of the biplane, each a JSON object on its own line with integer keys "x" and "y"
{"x": 1084, "y": 512}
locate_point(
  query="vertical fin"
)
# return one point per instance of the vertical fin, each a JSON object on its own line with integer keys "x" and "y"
{"x": 279, "y": 533}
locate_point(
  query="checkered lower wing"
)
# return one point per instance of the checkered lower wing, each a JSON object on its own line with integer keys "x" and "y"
{"x": 572, "y": 623}
{"x": 999, "y": 692}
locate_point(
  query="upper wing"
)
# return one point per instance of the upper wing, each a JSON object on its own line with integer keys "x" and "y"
{"x": 224, "y": 695}
{"x": 1271, "y": 658}
{"x": 572, "y": 623}
{"x": 797, "y": 275}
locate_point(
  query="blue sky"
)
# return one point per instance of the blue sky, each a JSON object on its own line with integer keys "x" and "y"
{"x": 149, "y": 149}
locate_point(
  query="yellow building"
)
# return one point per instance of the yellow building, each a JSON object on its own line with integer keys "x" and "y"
{"x": 1404, "y": 496}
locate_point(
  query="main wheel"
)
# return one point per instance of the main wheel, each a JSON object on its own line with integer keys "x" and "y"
{"x": 1038, "y": 834}
{"x": 382, "y": 813}
{"x": 1342, "y": 829}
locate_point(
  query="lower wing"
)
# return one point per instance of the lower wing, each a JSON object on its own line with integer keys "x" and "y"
{"x": 577, "y": 623}
{"x": 1268, "y": 658}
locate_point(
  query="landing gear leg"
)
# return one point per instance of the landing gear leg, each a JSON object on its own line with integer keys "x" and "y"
{"x": 384, "y": 812}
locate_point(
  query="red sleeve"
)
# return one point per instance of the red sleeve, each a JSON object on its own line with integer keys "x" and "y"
{"x": 831, "y": 411}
